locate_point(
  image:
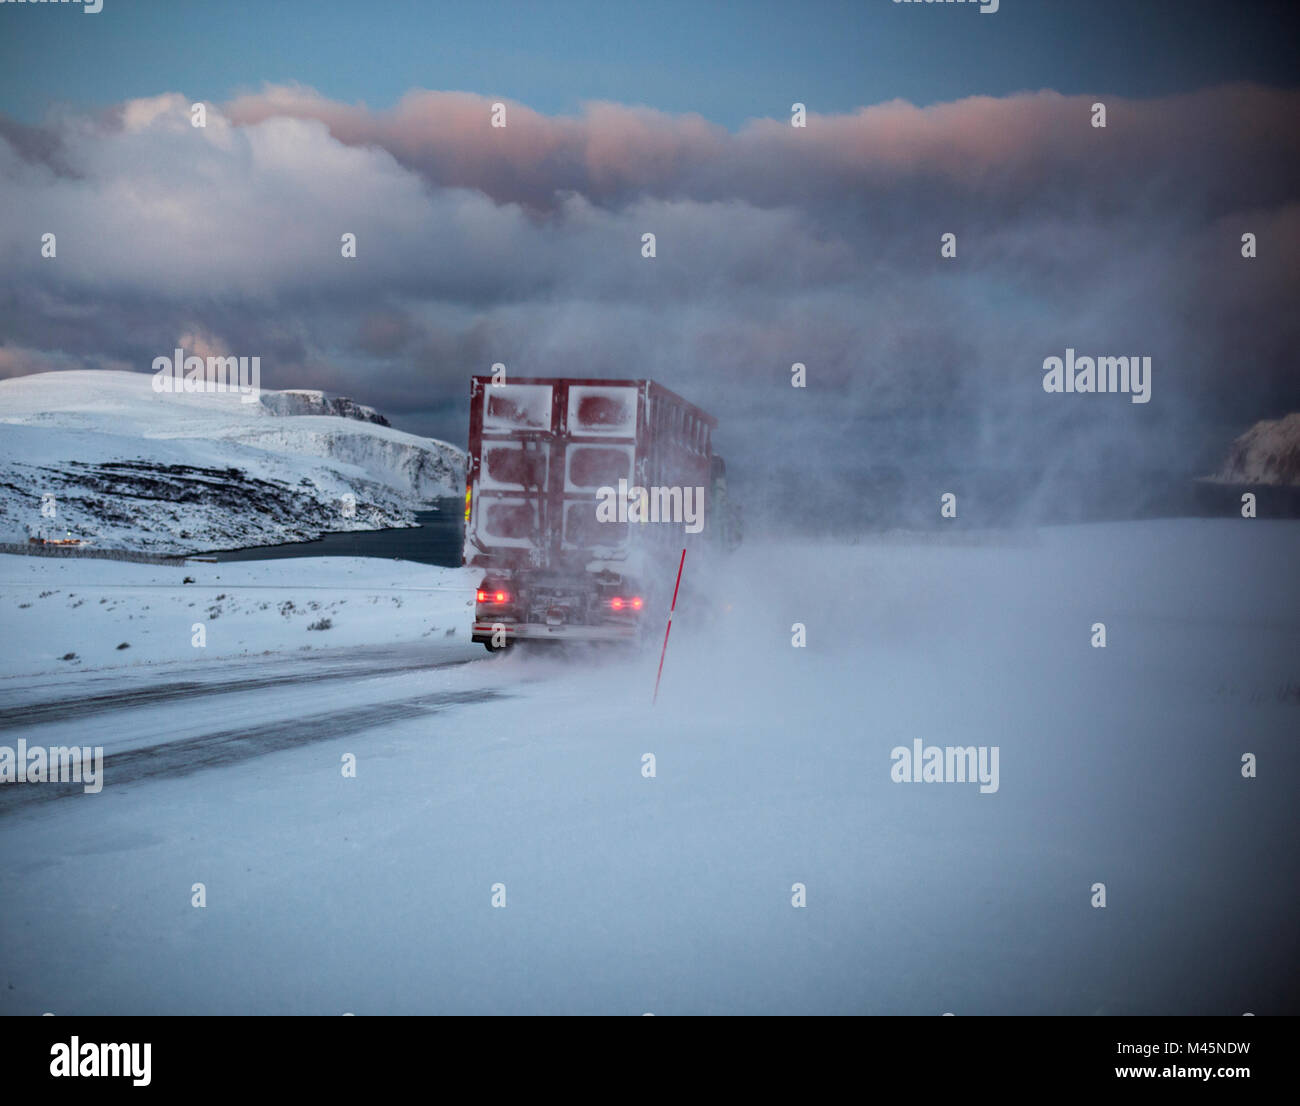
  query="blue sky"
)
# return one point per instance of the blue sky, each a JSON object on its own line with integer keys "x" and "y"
{"x": 728, "y": 61}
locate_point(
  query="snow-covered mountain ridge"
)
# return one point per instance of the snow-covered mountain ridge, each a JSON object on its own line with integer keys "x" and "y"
{"x": 1268, "y": 453}
{"x": 104, "y": 456}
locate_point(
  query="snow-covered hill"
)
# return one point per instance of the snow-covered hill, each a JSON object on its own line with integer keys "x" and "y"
{"x": 1268, "y": 453}
{"x": 130, "y": 468}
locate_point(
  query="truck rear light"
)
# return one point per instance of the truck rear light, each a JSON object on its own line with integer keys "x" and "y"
{"x": 618, "y": 603}
{"x": 636, "y": 602}
{"x": 491, "y": 597}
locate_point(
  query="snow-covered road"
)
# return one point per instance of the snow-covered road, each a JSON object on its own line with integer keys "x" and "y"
{"x": 524, "y": 777}
{"x": 246, "y": 710}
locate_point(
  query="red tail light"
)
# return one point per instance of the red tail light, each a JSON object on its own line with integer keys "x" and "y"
{"x": 636, "y": 603}
{"x": 501, "y": 597}
{"x": 616, "y": 603}
{"x": 482, "y": 596}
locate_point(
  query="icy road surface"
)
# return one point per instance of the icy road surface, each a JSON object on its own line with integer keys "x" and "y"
{"x": 672, "y": 894}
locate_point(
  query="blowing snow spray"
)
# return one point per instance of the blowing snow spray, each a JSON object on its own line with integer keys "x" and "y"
{"x": 669, "y": 628}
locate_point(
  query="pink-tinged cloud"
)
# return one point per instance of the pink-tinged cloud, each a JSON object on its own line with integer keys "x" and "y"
{"x": 996, "y": 150}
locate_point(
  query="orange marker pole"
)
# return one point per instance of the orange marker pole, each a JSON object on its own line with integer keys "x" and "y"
{"x": 669, "y": 628}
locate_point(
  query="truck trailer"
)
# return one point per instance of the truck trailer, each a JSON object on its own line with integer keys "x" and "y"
{"x": 580, "y": 496}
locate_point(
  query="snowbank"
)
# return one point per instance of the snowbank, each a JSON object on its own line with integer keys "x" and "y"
{"x": 60, "y": 614}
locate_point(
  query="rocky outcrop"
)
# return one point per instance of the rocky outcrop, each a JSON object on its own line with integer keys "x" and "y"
{"x": 301, "y": 401}
{"x": 1268, "y": 453}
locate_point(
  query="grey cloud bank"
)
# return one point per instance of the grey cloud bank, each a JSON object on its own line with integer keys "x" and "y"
{"x": 776, "y": 244}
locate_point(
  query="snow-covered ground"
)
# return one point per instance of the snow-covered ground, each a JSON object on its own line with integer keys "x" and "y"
{"x": 104, "y": 457}
{"x": 626, "y": 894}
{"x": 51, "y": 607}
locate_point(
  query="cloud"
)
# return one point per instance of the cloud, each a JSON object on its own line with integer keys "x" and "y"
{"x": 1006, "y": 151}
{"x": 774, "y": 244}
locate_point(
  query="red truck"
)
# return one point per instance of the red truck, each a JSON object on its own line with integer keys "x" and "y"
{"x": 579, "y": 497}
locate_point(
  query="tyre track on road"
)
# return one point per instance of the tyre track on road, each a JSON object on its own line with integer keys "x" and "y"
{"x": 226, "y": 747}
{"x": 43, "y": 710}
